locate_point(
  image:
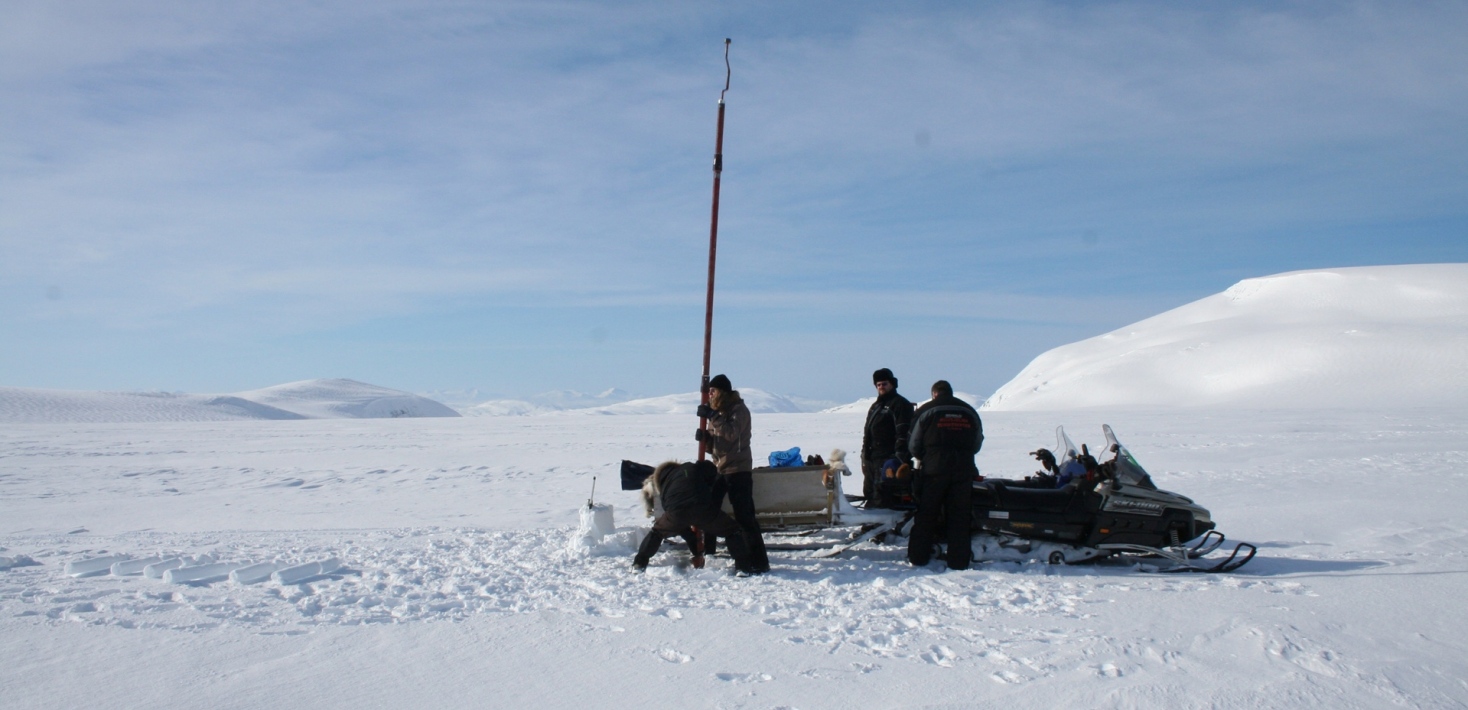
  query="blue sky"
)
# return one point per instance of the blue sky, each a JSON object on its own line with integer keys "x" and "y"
{"x": 514, "y": 197}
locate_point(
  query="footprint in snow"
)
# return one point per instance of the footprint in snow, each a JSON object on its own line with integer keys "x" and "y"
{"x": 940, "y": 656}
{"x": 744, "y": 677}
{"x": 672, "y": 656}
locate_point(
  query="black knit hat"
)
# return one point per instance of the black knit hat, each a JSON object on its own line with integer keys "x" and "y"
{"x": 884, "y": 375}
{"x": 720, "y": 382}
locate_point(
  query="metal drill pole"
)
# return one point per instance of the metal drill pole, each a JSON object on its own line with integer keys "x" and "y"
{"x": 708, "y": 311}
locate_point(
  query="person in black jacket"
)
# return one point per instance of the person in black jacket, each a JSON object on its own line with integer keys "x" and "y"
{"x": 687, "y": 495}
{"x": 885, "y": 436}
{"x": 946, "y": 434}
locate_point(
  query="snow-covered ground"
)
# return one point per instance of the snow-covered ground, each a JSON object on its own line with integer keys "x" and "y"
{"x": 458, "y": 589}
{"x": 1354, "y": 337}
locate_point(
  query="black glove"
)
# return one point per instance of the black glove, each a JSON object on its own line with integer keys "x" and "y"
{"x": 707, "y": 412}
{"x": 700, "y": 434}
{"x": 1045, "y": 458}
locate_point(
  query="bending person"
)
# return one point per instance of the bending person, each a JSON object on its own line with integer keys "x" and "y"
{"x": 686, "y": 492}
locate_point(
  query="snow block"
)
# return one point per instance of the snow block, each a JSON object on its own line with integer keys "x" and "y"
{"x": 199, "y": 573}
{"x": 93, "y": 565}
{"x": 595, "y": 525}
{"x": 253, "y": 574}
{"x": 131, "y": 567}
{"x": 301, "y": 573}
{"x": 156, "y": 570}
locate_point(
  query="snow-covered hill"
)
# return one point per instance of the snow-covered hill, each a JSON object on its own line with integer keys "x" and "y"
{"x": 339, "y": 398}
{"x": 308, "y": 399}
{"x": 758, "y": 401}
{"x": 1352, "y": 337}
{"x": 545, "y": 403}
{"x": 865, "y": 403}
{"x": 614, "y": 402}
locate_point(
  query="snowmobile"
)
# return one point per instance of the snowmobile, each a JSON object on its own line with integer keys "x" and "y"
{"x": 1081, "y": 510}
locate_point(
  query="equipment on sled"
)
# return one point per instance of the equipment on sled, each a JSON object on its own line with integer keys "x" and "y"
{"x": 1081, "y": 510}
{"x": 803, "y": 502}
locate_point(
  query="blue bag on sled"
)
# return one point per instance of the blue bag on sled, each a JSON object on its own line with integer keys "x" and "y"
{"x": 789, "y": 457}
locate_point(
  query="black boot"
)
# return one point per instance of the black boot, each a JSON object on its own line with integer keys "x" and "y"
{"x": 647, "y": 549}
{"x": 739, "y": 550}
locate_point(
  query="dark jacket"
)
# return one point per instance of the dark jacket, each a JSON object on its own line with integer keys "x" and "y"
{"x": 729, "y": 435}
{"x": 946, "y": 433}
{"x": 686, "y": 488}
{"x": 886, "y": 433}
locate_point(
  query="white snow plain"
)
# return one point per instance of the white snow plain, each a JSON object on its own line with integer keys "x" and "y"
{"x": 455, "y": 588}
{"x": 152, "y": 557}
{"x": 1352, "y": 337}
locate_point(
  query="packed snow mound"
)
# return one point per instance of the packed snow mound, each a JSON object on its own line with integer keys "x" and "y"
{"x": 350, "y": 399}
{"x": 1352, "y": 337}
{"x": 311, "y": 399}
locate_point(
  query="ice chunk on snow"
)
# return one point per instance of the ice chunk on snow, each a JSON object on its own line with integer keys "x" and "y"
{"x": 253, "y": 574}
{"x": 93, "y": 565}
{"x": 199, "y": 573}
{"x": 157, "y": 569}
{"x": 301, "y": 573}
{"x": 15, "y": 561}
{"x": 131, "y": 567}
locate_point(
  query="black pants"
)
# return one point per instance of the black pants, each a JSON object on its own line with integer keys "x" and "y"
{"x": 739, "y": 487}
{"x": 710, "y": 522}
{"x": 949, "y": 492}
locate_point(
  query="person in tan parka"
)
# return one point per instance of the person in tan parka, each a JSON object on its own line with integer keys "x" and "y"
{"x": 727, "y": 438}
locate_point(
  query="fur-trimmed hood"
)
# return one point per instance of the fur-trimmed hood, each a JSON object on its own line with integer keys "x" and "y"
{"x": 652, "y": 487}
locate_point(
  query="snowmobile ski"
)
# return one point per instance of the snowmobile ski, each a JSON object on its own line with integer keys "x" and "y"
{"x": 879, "y": 530}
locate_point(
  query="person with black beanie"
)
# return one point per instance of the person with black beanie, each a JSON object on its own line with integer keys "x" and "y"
{"x": 727, "y": 438}
{"x": 885, "y": 436}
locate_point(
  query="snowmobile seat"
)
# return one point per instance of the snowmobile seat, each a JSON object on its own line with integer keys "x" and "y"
{"x": 995, "y": 494}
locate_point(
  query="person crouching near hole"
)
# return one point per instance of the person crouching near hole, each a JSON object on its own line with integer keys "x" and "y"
{"x": 946, "y": 434}
{"x": 686, "y": 491}
{"x": 727, "y": 438}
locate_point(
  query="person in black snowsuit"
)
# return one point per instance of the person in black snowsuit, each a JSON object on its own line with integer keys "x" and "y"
{"x": 687, "y": 494}
{"x": 946, "y": 434}
{"x": 885, "y": 437}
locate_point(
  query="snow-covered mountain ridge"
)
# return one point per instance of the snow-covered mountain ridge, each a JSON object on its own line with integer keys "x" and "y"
{"x": 1352, "y": 337}
{"x": 307, "y": 399}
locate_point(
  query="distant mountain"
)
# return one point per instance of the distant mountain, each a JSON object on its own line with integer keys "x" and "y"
{"x": 1352, "y": 337}
{"x": 309, "y": 399}
{"x": 338, "y": 398}
{"x": 865, "y": 403}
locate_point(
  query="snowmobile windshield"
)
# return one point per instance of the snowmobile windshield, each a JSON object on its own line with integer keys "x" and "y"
{"x": 1064, "y": 446}
{"x": 1128, "y": 471}
{"x": 1069, "y": 467}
